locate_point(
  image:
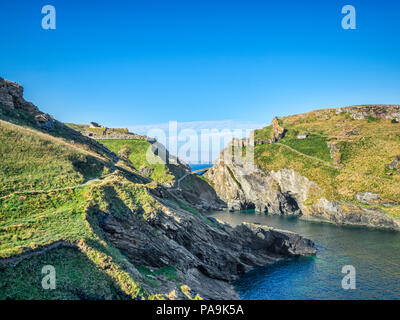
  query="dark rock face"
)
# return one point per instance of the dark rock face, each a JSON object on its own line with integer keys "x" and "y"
{"x": 207, "y": 257}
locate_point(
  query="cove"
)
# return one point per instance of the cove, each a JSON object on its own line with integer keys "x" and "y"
{"x": 374, "y": 254}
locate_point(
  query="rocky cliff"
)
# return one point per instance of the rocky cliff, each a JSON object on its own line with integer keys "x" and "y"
{"x": 324, "y": 174}
{"x": 382, "y": 112}
{"x": 69, "y": 202}
{"x": 207, "y": 255}
{"x": 12, "y": 102}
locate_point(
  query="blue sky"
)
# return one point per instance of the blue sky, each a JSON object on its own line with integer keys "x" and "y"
{"x": 130, "y": 63}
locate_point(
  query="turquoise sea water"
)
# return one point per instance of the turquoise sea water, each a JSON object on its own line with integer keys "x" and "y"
{"x": 375, "y": 254}
{"x": 195, "y": 167}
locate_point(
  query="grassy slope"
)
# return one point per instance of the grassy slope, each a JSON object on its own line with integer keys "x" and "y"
{"x": 77, "y": 278}
{"x": 364, "y": 161}
{"x": 136, "y": 150}
{"x": 31, "y": 160}
{"x": 47, "y": 197}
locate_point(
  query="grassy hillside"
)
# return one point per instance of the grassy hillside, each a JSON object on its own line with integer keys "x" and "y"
{"x": 358, "y": 162}
{"x": 52, "y": 189}
{"x": 32, "y": 160}
{"x": 135, "y": 150}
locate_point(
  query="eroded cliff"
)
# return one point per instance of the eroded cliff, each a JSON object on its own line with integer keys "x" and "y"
{"x": 323, "y": 168}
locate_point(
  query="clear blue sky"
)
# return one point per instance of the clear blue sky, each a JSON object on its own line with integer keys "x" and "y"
{"x": 125, "y": 63}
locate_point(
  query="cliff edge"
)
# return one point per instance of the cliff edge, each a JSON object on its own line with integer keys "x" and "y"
{"x": 334, "y": 165}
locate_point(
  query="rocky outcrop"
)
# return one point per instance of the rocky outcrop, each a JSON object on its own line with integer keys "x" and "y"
{"x": 11, "y": 97}
{"x": 374, "y": 199}
{"x": 278, "y": 132}
{"x": 244, "y": 186}
{"x": 346, "y": 213}
{"x": 387, "y": 112}
{"x": 15, "y": 109}
{"x": 395, "y": 165}
{"x": 206, "y": 254}
{"x": 12, "y": 101}
{"x": 367, "y": 197}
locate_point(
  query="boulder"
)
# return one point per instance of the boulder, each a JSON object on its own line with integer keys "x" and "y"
{"x": 368, "y": 197}
{"x": 395, "y": 164}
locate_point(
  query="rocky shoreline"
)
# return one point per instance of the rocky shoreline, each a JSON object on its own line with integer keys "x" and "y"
{"x": 208, "y": 255}
{"x": 243, "y": 186}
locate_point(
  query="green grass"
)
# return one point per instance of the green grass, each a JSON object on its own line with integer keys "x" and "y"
{"x": 234, "y": 178}
{"x": 264, "y": 133}
{"x": 372, "y": 119}
{"x": 34, "y": 221}
{"x": 77, "y": 277}
{"x": 31, "y": 221}
{"x": 98, "y": 131}
{"x": 135, "y": 150}
{"x": 39, "y": 214}
{"x": 168, "y": 272}
{"x": 123, "y": 197}
{"x": 275, "y": 157}
{"x": 364, "y": 156}
{"x": 78, "y": 127}
{"x": 40, "y": 162}
{"x": 48, "y": 196}
{"x": 313, "y": 145}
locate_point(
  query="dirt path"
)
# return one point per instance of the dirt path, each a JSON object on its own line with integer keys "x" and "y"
{"x": 326, "y": 163}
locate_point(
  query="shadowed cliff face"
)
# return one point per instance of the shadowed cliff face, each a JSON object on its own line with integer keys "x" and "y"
{"x": 206, "y": 254}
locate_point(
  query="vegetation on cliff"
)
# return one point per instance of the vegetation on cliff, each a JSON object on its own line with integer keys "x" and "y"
{"x": 113, "y": 227}
{"x": 344, "y": 155}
